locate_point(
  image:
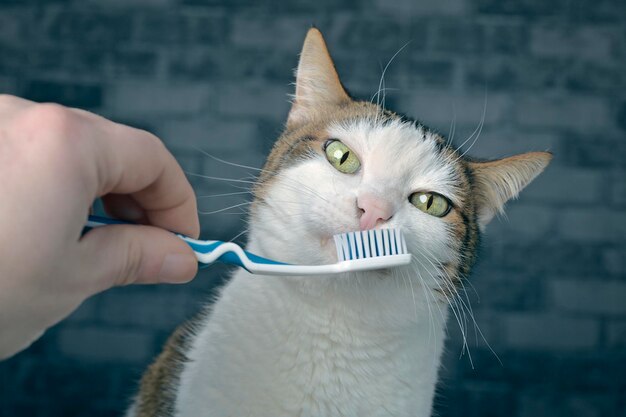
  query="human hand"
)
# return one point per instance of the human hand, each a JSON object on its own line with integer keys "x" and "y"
{"x": 54, "y": 162}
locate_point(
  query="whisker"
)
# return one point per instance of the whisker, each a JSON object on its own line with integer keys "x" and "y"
{"x": 223, "y": 194}
{"x": 208, "y": 177}
{"x": 452, "y": 126}
{"x": 227, "y": 162}
{"x": 383, "y": 90}
{"x": 239, "y": 234}
{"x": 254, "y": 179}
{"x": 431, "y": 319}
{"x": 382, "y": 76}
{"x": 476, "y": 132}
{"x": 413, "y": 296}
{"x": 467, "y": 306}
{"x": 456, "y": 311}
{"x": 224, "y": 209}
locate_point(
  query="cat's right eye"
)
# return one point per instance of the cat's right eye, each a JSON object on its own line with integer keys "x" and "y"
{"x": 431, "y": 203}
{"x": 341, "y": 157}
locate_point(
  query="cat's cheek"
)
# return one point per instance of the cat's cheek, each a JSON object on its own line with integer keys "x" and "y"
{"x": 332, "y": 208}
{"x": 344, "y": 216}
{"x": 326, "y": 220}
{"x": 429, "y": 236}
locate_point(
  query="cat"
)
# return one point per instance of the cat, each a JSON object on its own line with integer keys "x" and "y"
{"x": 358, "y": 344}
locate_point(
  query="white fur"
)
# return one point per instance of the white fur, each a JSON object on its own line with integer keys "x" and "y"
{"x": 366, "y": 344}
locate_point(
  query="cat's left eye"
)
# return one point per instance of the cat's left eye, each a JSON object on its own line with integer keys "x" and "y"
{"x": 431, "y": 203}
{"x": 341, "y": 157}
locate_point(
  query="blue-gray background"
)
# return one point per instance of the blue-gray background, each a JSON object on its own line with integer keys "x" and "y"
{"x": 215, "y": 74}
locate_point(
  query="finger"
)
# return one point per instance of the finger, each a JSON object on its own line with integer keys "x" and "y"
{"x": 123, "y": 206}
{"x": 135, "y": 162}
{"x": 11, "y": 105}
{"x": 106, "y": 157}
{"x": 132, "y": 254}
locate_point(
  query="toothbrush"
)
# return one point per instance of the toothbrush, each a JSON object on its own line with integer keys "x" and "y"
{"x": 356, "y": 251}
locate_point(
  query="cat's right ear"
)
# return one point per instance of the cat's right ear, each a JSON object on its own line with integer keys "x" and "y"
{"x": 495, "y": 182}
{"x": 317, "y": 81}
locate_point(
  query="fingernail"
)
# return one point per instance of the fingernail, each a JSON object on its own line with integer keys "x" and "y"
{"x": 177, "y": 268}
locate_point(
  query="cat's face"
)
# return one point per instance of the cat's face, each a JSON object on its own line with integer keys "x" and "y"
{"x": 343, "y": 165}
{"x": 388, "y": 165}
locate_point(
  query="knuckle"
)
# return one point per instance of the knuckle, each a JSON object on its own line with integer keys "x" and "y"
{"x": 52, "y": 119}
{"x": 53, "y": 131}
{"x": 149, "y": 139}
{"x": 50, "y": 126}
{"x": 149, "y": 142}
{"x": 133, "y": 259}
{"x": 6, "y": 99}
{"x": 152, "y": 141}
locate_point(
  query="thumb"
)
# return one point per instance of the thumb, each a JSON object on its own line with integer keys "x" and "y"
{"x": 131, "y": 254}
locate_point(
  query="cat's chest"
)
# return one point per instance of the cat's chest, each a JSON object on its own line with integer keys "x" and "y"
{"x": 335, "y": 367}
{"x": 266, "y": 351}
{"x": 333, "y": 343}
{"x": 311, "y": 363}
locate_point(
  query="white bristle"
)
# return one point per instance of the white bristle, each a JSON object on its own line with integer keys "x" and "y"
{"x": 398, "y": 241}
{"x": 366, "y": 244}
{"x": 359, "y": 245}
{"x": 385, "y": 241}
{"x": 379, "y": 241}
{"x": 338, "y": 246}
{"x": 352, "y": 252}
{"x": 370, "y": 244}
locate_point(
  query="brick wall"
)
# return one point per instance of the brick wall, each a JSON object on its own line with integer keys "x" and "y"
{"x": 215, "y": 75}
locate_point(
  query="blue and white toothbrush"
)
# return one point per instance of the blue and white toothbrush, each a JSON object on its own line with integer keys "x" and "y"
{"x": 356, "y": 251}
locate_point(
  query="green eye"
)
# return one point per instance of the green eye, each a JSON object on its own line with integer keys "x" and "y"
{"x": 431, "y": 203}
{"x": 341, "y": 157}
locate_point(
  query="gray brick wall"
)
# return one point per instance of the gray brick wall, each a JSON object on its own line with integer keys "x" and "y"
{"x": 215, "y": 74}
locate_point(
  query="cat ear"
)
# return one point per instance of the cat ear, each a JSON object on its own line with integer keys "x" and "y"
{"x": 317, "y": 82}
{"x": 498, "y": 181}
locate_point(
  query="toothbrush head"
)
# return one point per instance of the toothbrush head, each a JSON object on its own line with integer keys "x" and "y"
{"x": 365, "y": 244}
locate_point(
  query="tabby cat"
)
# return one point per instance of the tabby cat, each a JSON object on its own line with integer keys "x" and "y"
{"x": 358, "y": 344}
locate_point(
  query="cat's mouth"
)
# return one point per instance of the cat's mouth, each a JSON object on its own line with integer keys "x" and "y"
{"x": 328, "y": 249}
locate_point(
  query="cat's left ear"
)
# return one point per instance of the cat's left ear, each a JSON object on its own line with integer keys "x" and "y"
{"x": 317, "y": 82}
{"x": 495, "y": 182}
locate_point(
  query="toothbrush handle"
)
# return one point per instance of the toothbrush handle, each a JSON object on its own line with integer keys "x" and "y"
{"x": 99, "y": 221}
{"x": 207, "y": 251}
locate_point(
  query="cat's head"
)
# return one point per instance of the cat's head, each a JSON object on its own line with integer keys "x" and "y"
{"x": 343, "y": 165}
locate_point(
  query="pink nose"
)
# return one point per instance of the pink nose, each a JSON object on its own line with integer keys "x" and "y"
{"x": 374, "y": 210}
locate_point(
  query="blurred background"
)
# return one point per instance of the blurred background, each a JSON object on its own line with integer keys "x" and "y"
{"x": 213, "y": 75}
